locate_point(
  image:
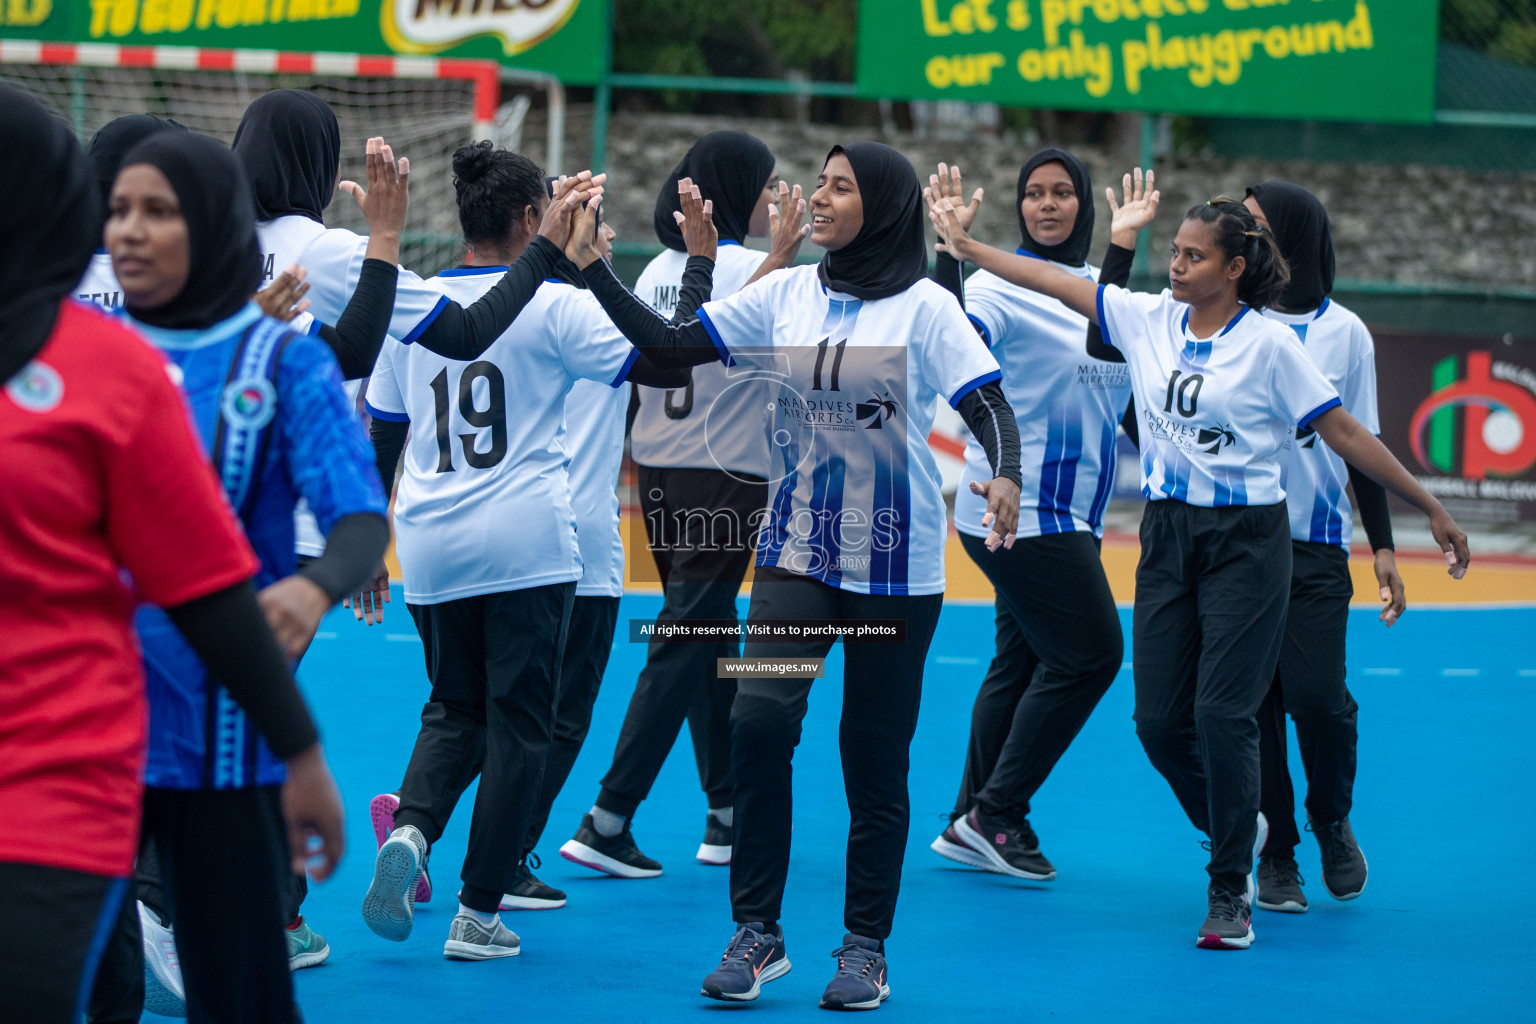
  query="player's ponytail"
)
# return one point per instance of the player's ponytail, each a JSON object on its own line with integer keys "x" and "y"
{"x": 1237, "y": 233}
{"x": 494, "y": 187}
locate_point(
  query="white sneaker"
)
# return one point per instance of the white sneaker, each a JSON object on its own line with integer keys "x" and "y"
{"x": 389, "y": 909}
{"x": 164, "y": 992}
{"x": 468, "y": 939}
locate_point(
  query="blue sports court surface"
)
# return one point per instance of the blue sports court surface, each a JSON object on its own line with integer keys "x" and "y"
{"x": 1443, "y": 812}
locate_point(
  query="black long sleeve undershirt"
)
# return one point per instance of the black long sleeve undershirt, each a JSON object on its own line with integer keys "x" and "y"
{"x": 991, "y": 419}
{"x": 353, "y": 549}
{"x": 388, "y": 438}
{"x": 1371, "y": 500}
{"x": 1116, "y": 270}
{"x": 668, "y": 343}
{"x": 947, "y": 274}
{"x": 229, "y": 632}
{"x": 360, "y": 330}
{"x": 465, "y": 332}
{"x": 696, "y": 285}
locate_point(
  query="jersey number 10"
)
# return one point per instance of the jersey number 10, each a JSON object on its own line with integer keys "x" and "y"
{"x": 494, "y": 417}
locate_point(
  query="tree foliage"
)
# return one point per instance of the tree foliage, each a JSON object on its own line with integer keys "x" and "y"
{"x": 1503, "y": 29}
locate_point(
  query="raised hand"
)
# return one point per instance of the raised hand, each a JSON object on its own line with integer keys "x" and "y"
{"x": 697, "y": 220}
{"x": 786, "y": 230}
{"x": 385, "y": 201}
{"x": 283, "y": 299}
{"x": 570, "y": 195}
{"x": 581, "y": 241}
{"x": 946, "y": 185}
{"x": 944, "y": 214}
{"x": 1141, "y": 199}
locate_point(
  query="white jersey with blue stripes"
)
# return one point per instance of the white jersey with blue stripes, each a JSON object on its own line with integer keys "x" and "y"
{"x": 855, "y": 496}
{"x": 485, "y": 503}
{"x": 708, "y": 424}
{"x": 1314, "y": 476}
{"x": 1068, "y": 408}
{"x": 1218, "y": 412}
{"x": 594, "y": 437}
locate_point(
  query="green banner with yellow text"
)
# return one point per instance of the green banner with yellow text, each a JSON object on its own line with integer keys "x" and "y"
{"x": 1353, "y": 60}
{"x": 563, "y": 37}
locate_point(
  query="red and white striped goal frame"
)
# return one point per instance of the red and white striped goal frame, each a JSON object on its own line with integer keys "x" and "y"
{"x": 485, "y": 74}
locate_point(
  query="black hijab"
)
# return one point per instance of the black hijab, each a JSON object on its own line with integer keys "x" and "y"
{"x": 221, "y": 229}
{"x": 50, "y": 220}
{"x": 889, "y": 254}
{"x": 565, "y": 270}
{"x": 290, "y": 146}
{"x": 1300, "y": 224}
{"x": 1073, "y": 251}
{"x": 113, "y": 141}
{"x": 730, "y": 169}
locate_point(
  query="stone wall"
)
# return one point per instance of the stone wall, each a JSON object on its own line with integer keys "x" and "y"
{"x": 1417, "y": 225}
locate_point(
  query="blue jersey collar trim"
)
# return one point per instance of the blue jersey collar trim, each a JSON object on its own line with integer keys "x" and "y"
{"x": 471, "y": 271}
{"x": 1242, "y": 311}
{"x": 198, "y": 337}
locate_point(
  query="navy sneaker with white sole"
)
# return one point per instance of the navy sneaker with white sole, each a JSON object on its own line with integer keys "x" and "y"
{"x": 1009, "y": 847}
{"x": 1344, "y": 867}
{"x": 860, "y": 981}
{"x": 612, "y": 855}
{"x": 949, "y": 844}
{"x": 1228, "y": 921}
{"x": 752, "y": 959}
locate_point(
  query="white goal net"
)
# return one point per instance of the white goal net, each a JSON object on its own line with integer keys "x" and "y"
{"x": 425, "y": 119}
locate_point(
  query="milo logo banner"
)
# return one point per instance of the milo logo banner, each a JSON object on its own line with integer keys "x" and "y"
{"x": 563, "y": 37}
{"x": 1353, "y": 60}
{"x": 1460, "y": 413}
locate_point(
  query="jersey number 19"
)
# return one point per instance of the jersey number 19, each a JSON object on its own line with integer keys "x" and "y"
{"x": 494, "y": 416}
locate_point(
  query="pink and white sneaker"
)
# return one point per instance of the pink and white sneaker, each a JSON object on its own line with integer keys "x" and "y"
{"x": 381, "y": 811}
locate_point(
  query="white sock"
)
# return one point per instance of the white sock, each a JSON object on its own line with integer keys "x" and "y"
{"x": 723, "y": 815}
{"x": 477, "y": 915}
{"x": 606, "y": 822}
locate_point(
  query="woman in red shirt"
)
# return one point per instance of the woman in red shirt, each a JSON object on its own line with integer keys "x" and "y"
{"x": 100, "y": 472}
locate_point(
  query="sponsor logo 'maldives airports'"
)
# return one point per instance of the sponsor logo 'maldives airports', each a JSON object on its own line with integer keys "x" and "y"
{"x": 1491, "y": 411}
{"x": 430, "y": 26}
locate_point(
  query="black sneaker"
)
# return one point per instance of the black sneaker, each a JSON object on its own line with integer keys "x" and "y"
{"x": 1227, "y": 926}
{"x": 716, "y": 847}
{"x": 612, "y": 855}
{"x": 859, "y": 983}
{"x": 1344, "y": 867}
{"x": 949, "y": 844}
{"x": 1280, "y": 885}
{"x": 529, "y": 893}
{"x": 1009, "y": 847}
{"x": 753, "y": 958}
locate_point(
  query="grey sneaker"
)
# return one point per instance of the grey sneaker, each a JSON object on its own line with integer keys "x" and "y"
{"x": 468, "y": 939}
{"x": 859, "y": 983}
{"x": 390, "y": 906}
{"x": 306, "y": 947}
{"x": 1280, "y": 885}
{"x": 1228, "y": 924}
{"x": 1344, "y": 867}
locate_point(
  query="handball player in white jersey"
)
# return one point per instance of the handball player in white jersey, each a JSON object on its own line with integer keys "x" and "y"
{"x": 1309, "y": 681}
{"x": 1058, "y": 639}
{"x": 702, "y": 457}
{"x": 860, "y": 349}
{"x": 492, "y": 604}
{"x": 1221, "y": 391}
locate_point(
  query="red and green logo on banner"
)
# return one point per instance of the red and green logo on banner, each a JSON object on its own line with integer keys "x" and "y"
{"x": 563, "y": 37}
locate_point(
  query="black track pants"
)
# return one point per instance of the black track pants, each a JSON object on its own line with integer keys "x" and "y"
{"x": 1211, "y": 595}
{"x": 882, "y": 687}
{"x": 494, "y": 662}
{"x": 1309, "y": 686}
{"x": 1058, "y": 649}
{"x": 700, "y": 524}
